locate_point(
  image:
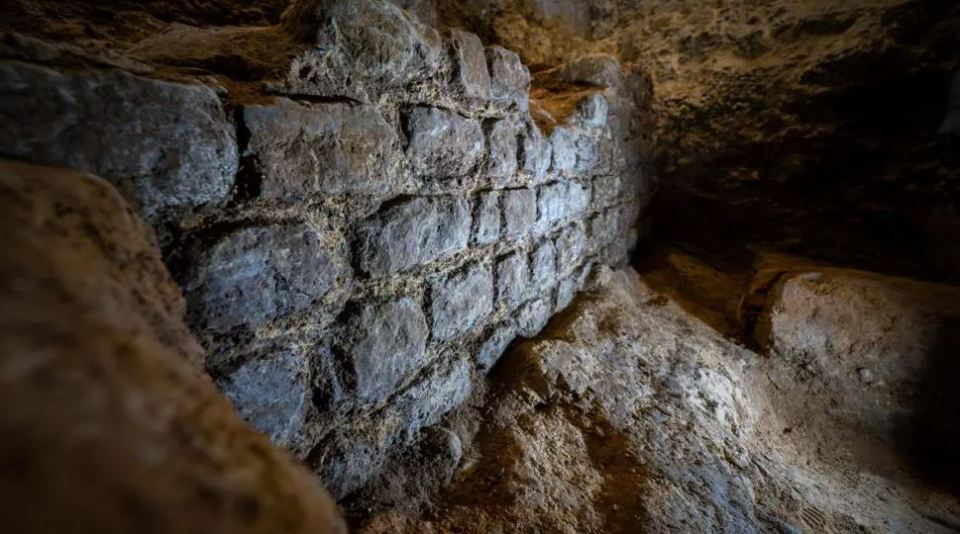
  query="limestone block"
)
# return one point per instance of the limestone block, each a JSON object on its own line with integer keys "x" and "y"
{"x": 513, "y": 278}
{"x": 461, "y": 301}
{"x": 486, "y": 220}
{"x": 502, "y": 156}
{"x": 537, "y": 151}
{"x": 471, "y": 79}
{"x": 384, "y": 344}
{"x": 302, "y": 151}
{"x": 519, "y": 211}
{"x": 252, "y": 276}
{"x": 543, "y": 263}
{"x": 412, "y": 233}
{"x": 272, "y": 392}
{"x": 534, "y": 316}
{"x": 442, "y": 144}
{"x": 571, "y": 246}
{"x": 510, "y": 78}
{"x": 167, "y": 146}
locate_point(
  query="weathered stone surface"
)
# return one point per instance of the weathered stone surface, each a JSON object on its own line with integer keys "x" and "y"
{"x": 167, "y": 146}
{"x": 385, "y": 344}
{"x": 362, "y": 48}
{"x": 571, "y": 246}
{"x": 589, "y": 156}
{"x": 445, "y": 386}
{"x": 302, "y": 151}
{"x": 510, "y": 78}
{"x": 606, "y": 190}
{"x": 566, "y": 290}
{"x": 543, "y": 264}
{"x": 272, "y": 391}
{"x": 592, "y": 111}
{"x": 502, "y": 156}
{"x": 513, "y": 279}
{"x": 442, "y": 144}
{"x": 519, "y": 211}
{"x": 470, "y": 76}
{"x": 461, "y": 301}
{"x": 841, "y": 325}
{"x": 412, "y": 233}
{"x": 103, "y": 393}
{"x": 603, "y": 227}
{"x": 255, "y": 275}
{"x": 486, "y": 220}
{"x": 534, "y": 315}
{"x": 563, "y": 143}
{"x": 552, "y": 203}
{"x": 537, "y": 151}
{"x": 495, "y": 345}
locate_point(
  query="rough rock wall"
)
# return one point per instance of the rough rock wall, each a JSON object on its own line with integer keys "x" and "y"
{"x": 109, "y": 422}
{"x": 361, "y": 211}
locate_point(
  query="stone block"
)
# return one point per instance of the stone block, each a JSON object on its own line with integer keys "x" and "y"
{"x": 461, "y": 301}
{"x": 578, "y": 198}
{"x": 502, "y": 156}
{"x": 302, "y": 151}
{"x": 536, "y": 151}
{"x": 253, "y": 276}
{"x": 519, "y": 211}
{"x": 486, "y": 219}
{"x": 566, "y": 290}
{"x": 592, "y": 111}
{"x": 543, "y": 263}
{"x": 534, "y": 316}
{"x": 444, "y": 387}
{"x": 471, "y": 79}
{"x": 509, "y": 77}
{"x": 362, "y": 48}
{"x": 384, "y": 343}
{"x": 590, "y": 153}
{"x": 563, "y": 144}
{"x": 571, "y": 246}
{"x": 412, "y": 233}
{"x": 513, "y": 277}
{"x": 272, "y": 391}
{"x": 442, "y": 144}
{"x": 495, "y": 345}
{"x": 606, "y": 191}
{"x": 168, "y": 147}
{"x": 604, "y": 227}
{"x": 552, "y": 204}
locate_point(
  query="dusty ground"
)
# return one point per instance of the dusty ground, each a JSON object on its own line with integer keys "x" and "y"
{"x": 631, "y": 414}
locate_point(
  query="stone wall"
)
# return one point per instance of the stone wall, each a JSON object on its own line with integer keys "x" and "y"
{"x": 360, "y": 236}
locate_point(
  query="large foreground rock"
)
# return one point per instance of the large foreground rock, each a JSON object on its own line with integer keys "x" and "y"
{"x": 109, "y": 424}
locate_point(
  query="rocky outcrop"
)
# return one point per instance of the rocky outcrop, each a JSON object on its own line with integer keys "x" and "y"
{"x": 110, "y": 423}
{"x": 629, "y": 411}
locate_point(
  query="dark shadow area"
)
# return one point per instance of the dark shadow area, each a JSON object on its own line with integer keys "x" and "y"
{"x": 930, "y": 440}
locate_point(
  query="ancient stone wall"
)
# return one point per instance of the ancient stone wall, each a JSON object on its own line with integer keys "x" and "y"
{"x": 361, "y": 236}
